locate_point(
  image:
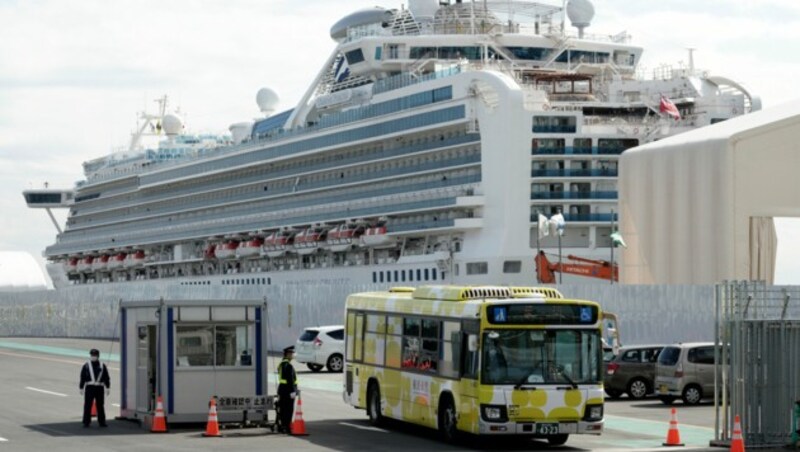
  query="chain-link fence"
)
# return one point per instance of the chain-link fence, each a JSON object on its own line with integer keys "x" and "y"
{"x": 758, "y": 351}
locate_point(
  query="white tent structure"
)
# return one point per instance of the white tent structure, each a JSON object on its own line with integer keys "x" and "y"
{"x": 697, "y": 208}
{"x": 19, "y": 271}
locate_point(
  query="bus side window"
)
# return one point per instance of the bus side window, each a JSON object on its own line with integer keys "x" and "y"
{"x": 469, "y": 363}
{"x": 358, "y": 343}
{"x": 350, "y": 337}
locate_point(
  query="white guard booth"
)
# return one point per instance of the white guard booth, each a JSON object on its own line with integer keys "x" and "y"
{"x": 188, "y": 351}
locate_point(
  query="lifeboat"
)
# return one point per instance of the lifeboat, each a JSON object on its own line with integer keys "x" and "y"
{"x": 343, "y": 237}
{"x": 117, "y": 261}
{"x": 227, "y": 249}
{"x": 85, "y": 264}
{"x": 135, "y": 259}
{"x": 210, "y": 251}
{"x": 100, "y": 262}
{"x": 277, "y": 243}
{"x": 309, "y": 240}
{"x": 72, "y": 264}
{"x": 376, "y": 236}
{"x": 250, "y": 247}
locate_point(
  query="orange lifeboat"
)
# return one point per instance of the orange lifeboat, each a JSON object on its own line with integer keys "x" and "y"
{"x": 277, "y": 243}
{"x": 72, "y": 264}
{"x": 309, "y": 240}
{"x": 100, "y": 262}
{"x": 135, "y": 259}
{"x": 117, "y": 261}
{"x": 209, "y": 251}
{"x": 376, "y": 236}
{"x": 251, "y": 247}
{"x": 343, "y": 237}
{"x": 227, "y": 249}
{"x": 85, "y": 264}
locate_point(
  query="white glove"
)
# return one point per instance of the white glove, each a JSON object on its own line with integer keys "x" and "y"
{"x": 108, "y": 391}
{"x": 82, "y": 392}
{"x": 293, "y": 395}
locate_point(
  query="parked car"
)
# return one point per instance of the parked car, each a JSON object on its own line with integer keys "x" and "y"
{"x": 632, "y": 371}
{"x": 321, "y": 346}
{"x": 686, "y": 371}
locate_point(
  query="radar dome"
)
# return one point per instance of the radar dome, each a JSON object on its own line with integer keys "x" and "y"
{"x": 580, "y": 13}
{"x": 172, "y": 124}
{"x": 423, "y": 10}
{"x": 367, "y": 16}
{"x": 267, "y": 100}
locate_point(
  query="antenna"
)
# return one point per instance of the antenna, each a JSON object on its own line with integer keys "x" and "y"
{"x": 691, "y": 59}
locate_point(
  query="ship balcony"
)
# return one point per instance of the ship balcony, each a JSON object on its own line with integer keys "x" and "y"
{"x": 451, "y": 224}
{"x": 584, "y": 217}
{"x": 607, "y": 172}
{"x": 554, "y": 129}
{"x": 575, "y": 150}
{"x": 581, "y": 194}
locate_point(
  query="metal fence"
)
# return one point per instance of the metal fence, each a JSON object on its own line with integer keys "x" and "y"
{"x": 758, "y": 334}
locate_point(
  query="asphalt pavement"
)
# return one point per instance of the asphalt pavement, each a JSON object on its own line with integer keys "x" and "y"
{"x": 41, "y": 410}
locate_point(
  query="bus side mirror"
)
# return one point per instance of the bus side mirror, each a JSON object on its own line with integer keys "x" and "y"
{"x": 472, "y": 342}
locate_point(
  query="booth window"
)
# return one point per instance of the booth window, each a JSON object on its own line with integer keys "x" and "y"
{"x": 214, "y": 345}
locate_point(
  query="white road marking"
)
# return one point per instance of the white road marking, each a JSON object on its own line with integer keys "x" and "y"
{"x": 2, "y": 440}
{"x": 45, "y": 392}
{"x": 18, "y": 355}
{"x": 361, "y": 427}
{"x": 115, "y": 404}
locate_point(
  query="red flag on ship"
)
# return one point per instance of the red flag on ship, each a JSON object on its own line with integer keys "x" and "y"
{"x": 669, "y": 108}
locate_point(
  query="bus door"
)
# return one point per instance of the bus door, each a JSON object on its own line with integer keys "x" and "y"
{"x": 469, "y": 364}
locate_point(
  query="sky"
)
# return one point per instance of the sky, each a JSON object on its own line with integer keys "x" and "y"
{"x": 74, "y": 74}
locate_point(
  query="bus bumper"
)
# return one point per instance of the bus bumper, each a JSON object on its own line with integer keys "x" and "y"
{"x": 536, "y": 428}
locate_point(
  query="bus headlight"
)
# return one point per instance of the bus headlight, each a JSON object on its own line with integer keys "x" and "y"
{"x": 494, "y": 413}
{"x": 593, "y": 413}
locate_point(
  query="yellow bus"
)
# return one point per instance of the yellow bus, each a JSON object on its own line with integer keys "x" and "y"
{"x": 482, "y": 360}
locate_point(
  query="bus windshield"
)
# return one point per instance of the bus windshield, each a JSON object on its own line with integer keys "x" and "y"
{"x": 530, "y": 357}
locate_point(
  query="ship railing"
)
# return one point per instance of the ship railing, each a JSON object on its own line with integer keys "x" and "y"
{"x": 395, "y": 152}
{"x": 583, "y": 217}
{"x": 580, "y": 194}
{"x": 601, "y": 172}
{"x": 380, "y": 196}
{"x": 303, "y": 186}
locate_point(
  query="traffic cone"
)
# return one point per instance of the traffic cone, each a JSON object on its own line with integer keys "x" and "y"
{"x": 299, "y": 425}
{"x": 94, "y": 408}
{"x": 160, "y": 421}
{"x": 212, "y": 427}
{"x": 737, "y": 441}
{"x": 673, "y": 435}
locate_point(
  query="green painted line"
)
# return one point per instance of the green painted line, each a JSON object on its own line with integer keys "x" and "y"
{"x": 60, "y": 351}
{"x": 690, "y": 434}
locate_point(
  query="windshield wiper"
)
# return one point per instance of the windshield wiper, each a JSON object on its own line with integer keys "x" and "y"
{"x": 525, "y": 380}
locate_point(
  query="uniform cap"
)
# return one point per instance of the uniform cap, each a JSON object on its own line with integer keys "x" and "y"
{"x": 94, "y": 352}
{"x": 288, "y": 350}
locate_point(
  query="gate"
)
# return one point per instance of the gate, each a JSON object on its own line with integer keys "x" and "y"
{"x": 758, "y": 334}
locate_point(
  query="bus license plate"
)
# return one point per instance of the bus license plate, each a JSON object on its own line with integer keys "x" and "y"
{"x": 547, "y": 429}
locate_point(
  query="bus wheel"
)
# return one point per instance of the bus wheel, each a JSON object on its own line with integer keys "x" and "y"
{"x": 374, "y": 404}
{"x": 557, "y": 440}
{"x": 447, "y": 419}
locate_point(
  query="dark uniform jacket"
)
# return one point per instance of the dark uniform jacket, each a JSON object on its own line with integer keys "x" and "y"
{"x": 287, "y": 378}
{"x": 86, "y": 377}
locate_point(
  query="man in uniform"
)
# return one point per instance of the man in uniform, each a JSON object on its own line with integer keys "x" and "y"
{"x": 94, "y": 385}
{"x": 287, "y": 390}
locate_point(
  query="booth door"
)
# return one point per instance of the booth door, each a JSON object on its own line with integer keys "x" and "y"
{"x": 146, "y": 369}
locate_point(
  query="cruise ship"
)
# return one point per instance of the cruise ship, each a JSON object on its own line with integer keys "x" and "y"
{"x": 424, "y": 152}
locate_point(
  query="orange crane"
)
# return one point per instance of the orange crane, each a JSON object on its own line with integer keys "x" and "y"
{"x": 574, "y": 265}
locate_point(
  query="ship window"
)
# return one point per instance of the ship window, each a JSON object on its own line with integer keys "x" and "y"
{"x": 716, "y": 120}
{"x": 403, "y": 275}
{"x": 433, "y": 274}
{"x": 354, "y": 56}
{"x": 530, "y": 53}
{"x": 388, "y": 276}
{"x": 427, "y": 274}
{"x": 477, "y": 268}
{"x": 615, "y": 146}
{"x": 381, "y": 275}
{"x": 395, "y": 276}
{"x": 419, "y": 275}
{"x": 269, "y": 280}
{"x": 378, "y": 53}
{"x": 512, "y": 266}
{"x": 374, "y": 277}
{"x": 554, "y": 124}
{"x": 411, "y": 275}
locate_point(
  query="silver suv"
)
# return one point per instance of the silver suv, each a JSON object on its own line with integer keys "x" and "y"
{"x": 685, "y": 371}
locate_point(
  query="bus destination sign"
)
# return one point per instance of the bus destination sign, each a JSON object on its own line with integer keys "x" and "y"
{"x": 543, "y": 314}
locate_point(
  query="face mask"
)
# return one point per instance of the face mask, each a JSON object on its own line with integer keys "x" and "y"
{"x": 95, "y": 359}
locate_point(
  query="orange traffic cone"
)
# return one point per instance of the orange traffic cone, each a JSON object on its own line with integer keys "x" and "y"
{"x": 212, "y": 428}
{"x": 673, "y": 435}
{"x": 160, "y": 421}
{"x": 299, "y": 425}
{"x": 737, "y": 441}
{"x": 94, "y": 408}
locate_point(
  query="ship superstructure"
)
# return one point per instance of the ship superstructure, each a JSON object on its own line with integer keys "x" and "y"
{"x": 429, "y": 142}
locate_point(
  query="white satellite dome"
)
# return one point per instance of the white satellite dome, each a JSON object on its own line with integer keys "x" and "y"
{"x": 240, "y": 131}
{"x": 20, "y": 271}
{"x": 423, "y": 10}
{"x": 267, "y": 100}
{"x": 172, "y": 124}
{"x": 580, "y": 13}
